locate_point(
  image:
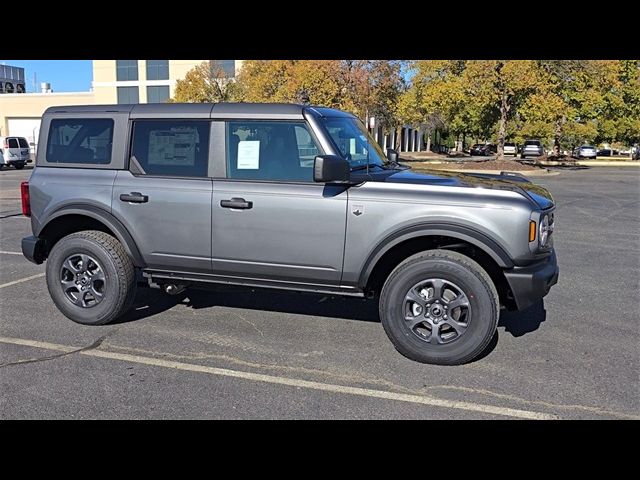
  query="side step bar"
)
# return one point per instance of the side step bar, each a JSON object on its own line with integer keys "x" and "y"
{"x": 156, "y": 278}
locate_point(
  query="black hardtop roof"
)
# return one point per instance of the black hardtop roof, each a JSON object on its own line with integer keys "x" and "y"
{"x": 204, "y": 110}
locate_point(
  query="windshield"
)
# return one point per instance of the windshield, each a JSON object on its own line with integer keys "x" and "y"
{"x": 354, "y": 142}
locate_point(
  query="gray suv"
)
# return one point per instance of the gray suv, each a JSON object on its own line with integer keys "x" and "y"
{"x": 283, "y": 196}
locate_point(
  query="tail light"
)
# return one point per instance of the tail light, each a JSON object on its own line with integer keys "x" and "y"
{"x": 6, "y": 143}
{"x": 26, "y": 201}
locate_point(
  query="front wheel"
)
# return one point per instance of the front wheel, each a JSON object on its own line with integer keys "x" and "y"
{"x": 90, "y": 277}
{"x": 18, "y": 166}
{"x": 439, "y": 307}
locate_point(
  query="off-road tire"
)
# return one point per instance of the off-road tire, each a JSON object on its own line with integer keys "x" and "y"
{"x": 119, "y": 285}
{"x": 453, "y": 267}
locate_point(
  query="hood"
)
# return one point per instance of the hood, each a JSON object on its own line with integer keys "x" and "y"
{"x": 539, "y": 195}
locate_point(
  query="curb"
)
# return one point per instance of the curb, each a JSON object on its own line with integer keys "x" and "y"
{"x": 594, "y": 163}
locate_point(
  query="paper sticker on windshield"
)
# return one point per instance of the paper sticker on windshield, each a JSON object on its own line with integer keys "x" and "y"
{"x": 249, "y": 155}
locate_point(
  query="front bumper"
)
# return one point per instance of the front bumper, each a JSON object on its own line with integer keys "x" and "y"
{"x": 531, "y": 283}
{"x": 33, "y": 248}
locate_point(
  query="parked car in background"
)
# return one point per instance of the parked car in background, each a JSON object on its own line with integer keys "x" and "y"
{"x": 14, "y": 151}
{"x": 485, "y": 150}
{"x": 477, "y": 149}
{"x": 585, "y": 151}
{"x": 532, "y": 148}
{"x": 511, "y": 149}
{"x": 607, "y": 152}
{"x": 635, "y": 153}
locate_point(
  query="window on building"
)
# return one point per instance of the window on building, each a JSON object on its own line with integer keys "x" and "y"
{"x": 281, "y": 151}
{"x": 128, "y": 95}
{"x": 157, "y": 69}
{"x": 171, "y": 147}
{"x": 80, "y": 141}
{"x": 126, "y": 70}
{"x": 158, "y": 94}
{"x": 226, "y": 67}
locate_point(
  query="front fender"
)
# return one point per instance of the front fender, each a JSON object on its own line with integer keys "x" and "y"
{"x": 460, "y": 232}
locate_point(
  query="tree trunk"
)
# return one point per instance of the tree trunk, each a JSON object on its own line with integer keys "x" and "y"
{"x": 428, "y": 141}
{"x": 398, "y": 139}
{"x": 558, "y": 135}
{"x": 502, "y": 127}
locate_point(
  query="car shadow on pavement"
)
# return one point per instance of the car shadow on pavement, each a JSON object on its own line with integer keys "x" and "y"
{"x": 526, "y": 321}
{"x": 150, "y": 302}
{"x": 517, "y": 324}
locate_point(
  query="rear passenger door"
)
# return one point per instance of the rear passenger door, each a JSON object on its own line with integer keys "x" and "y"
{"x": 164, "y": 198}
{"x": 270, "y": 220}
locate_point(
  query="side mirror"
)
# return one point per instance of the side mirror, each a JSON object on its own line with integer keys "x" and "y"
{"x": 331, "y": 169}
{"x": 392, "y": 155}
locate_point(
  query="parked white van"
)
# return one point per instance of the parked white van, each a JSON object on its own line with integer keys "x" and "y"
{"x": 14, "y": 151}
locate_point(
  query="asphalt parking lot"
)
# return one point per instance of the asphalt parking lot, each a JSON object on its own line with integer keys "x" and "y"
{"x": 242, "y": 353}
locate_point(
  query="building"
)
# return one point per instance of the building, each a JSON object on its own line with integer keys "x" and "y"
{"x": 114, "y": 81}
{"x": 11, "y": 79}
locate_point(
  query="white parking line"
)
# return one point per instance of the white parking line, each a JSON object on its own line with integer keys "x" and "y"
{"x": 26, "y": 279}
{"x": 291, "y": 382}
{"x": 10, "y": 253}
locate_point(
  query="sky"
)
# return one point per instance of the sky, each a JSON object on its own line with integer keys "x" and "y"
{"x": 63, "y": 75}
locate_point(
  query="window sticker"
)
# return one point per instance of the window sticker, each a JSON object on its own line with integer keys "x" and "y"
{"x": 352, "y": 146}
{"x": 249, "y": 155}
{"x": 172, "y": 147}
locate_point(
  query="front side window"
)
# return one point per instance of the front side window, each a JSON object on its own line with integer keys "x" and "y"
{"x": 80, "y": 141}
{"x": 275, "y": 151}
{"x": 127, "y": 95}
{"x": 173, "y": 148}
{"x": 157, "y": 94}
{"x": 354, "y": 142}
{"x": 157, "y": 69}
{"x": 23, "y": 142}
{"x": 126, "y": 70}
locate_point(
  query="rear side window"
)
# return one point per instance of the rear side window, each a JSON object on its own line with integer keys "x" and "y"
{"x": 171, "y": 147}
{"x": 13, "y": 143}
{"x": 87, "y": 140}
{"x": 23, "y": 143}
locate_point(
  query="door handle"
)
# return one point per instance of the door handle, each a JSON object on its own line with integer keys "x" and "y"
{"x": 134, "y": 197}
{"x": 236, "y": 203}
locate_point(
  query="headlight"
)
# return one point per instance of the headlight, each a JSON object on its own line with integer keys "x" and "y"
{"x": 545, "y": 230}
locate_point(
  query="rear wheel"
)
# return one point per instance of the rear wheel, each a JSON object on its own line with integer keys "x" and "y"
{"x": 90, "y": 277}
{"x": 439, "y": 307}
{"x": 18, "y": 166}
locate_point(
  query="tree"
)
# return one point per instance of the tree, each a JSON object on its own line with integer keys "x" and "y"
{"x": 205, "y": 83}
{"x": 363, "y": 87}
{"x": 499, "y": 87}
{"x": 435, "y": 97}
